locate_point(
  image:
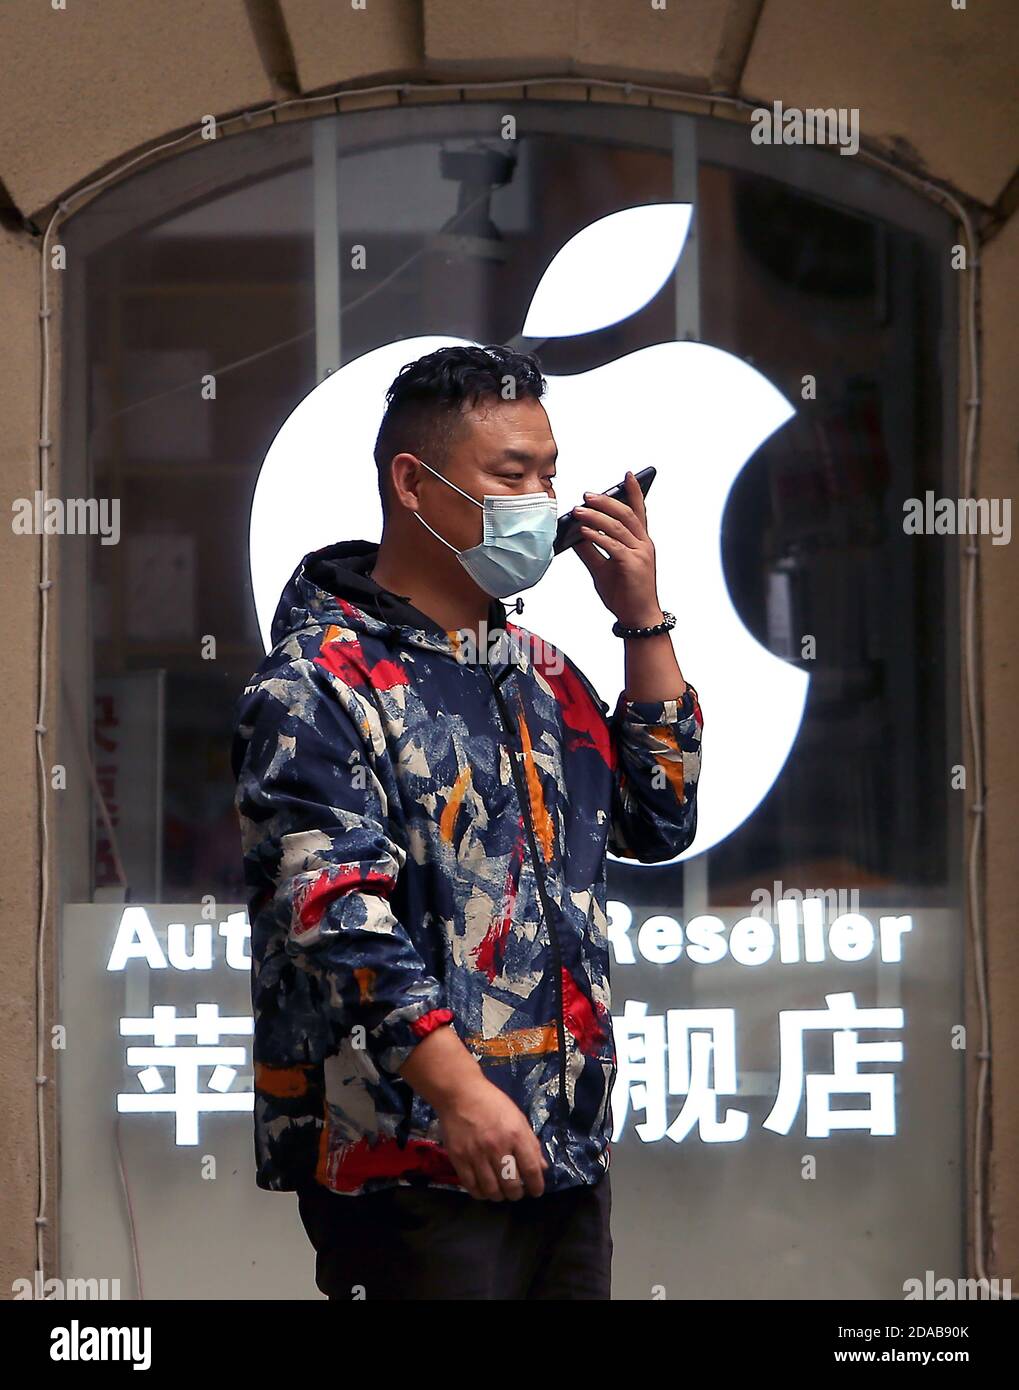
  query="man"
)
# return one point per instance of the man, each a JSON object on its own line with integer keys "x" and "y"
{"x": 425, "y": 815}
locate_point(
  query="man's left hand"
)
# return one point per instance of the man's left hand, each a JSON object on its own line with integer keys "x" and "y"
{"x": 625, "y": 576}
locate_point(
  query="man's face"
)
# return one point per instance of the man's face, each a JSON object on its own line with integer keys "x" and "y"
{"x": 501, "y": 447}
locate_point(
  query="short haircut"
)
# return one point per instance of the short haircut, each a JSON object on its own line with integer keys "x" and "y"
{"x": 426, "y": 402}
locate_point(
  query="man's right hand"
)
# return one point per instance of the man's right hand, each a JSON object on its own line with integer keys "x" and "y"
{"x": 487, "y": 1136}
{"x": 492, "y": 1146}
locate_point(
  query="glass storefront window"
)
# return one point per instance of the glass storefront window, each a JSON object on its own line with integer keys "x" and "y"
{"x": 212, "y": 293}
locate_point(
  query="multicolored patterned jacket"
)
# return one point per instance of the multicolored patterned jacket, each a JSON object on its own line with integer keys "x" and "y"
{"x": 424, "y": 843}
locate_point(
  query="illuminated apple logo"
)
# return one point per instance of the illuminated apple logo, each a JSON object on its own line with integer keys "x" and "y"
{"x": 697, "y": 413}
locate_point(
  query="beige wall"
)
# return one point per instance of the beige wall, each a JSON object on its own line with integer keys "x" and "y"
{"x": 1000, "y": 583}
{"x": 91, "y": 86}
{"x": 19, "y": 392}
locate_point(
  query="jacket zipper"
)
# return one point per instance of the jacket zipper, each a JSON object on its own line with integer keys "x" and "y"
{"x": 539, "y": 875}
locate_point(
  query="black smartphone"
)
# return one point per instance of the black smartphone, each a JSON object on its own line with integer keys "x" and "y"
{"x": 568, "y": 528}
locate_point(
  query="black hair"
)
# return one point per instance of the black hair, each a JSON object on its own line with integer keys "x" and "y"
{"x": 425, "y": 403}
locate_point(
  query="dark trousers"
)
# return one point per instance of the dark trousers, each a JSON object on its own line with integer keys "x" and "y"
{"x": 424, "y": 1243}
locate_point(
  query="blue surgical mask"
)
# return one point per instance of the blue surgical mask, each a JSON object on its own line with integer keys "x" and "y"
{"x": 518, "y": 532}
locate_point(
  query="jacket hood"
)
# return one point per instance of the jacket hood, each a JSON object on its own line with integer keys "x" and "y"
{"x": 331, "y": 585}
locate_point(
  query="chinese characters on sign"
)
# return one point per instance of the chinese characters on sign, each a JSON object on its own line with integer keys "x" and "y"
{"x": 685, "y": 1054}
{"x": 692, "y": 1053}
{"x": 186, "y": 1101}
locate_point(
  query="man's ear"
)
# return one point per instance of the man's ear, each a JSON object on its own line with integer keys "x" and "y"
{"x": 405, "y": 476}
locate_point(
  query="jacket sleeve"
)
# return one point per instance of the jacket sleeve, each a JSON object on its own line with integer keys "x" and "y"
{"x": 658, "y": 762}
{"x": 314, "y": 825}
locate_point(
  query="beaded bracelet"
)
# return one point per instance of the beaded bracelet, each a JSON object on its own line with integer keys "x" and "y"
{"x": 666, "y": 625}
